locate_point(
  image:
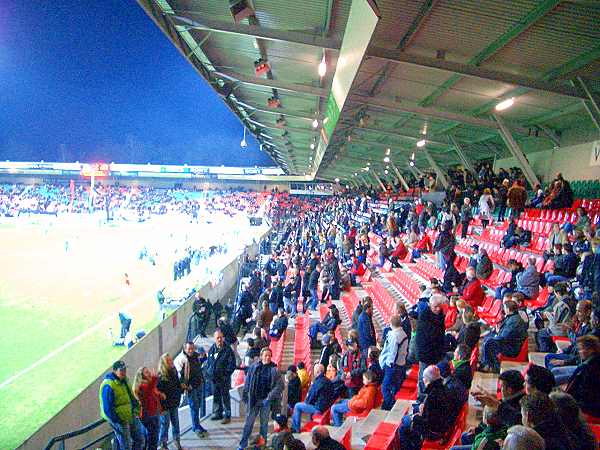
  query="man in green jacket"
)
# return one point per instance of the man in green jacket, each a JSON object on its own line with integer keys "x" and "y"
{"x": 120, "y": 409}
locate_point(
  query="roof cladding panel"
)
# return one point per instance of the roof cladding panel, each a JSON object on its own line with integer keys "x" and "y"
{"x": 567, "y": 31}
{"x": 396, "y": 17}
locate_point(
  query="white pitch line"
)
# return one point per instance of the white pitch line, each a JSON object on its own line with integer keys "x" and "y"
{"x": 66, "y": 345}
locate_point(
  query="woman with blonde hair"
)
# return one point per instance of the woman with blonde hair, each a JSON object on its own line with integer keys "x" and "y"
{"x": 486, "y": 207}
{"x": 145, "y": 391}
{"x": 169, "y": 385}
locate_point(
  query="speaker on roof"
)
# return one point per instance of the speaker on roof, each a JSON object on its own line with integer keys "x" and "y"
{"x": 240, "y": 10}
{"x": 225, "y": 90}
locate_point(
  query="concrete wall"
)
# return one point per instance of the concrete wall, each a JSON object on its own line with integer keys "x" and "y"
{"x": 573, "y": 161}
{"x": 168, "y": 336}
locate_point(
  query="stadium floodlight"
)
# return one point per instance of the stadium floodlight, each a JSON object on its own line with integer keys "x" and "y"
{"x": 421, "y": 143}
{"x": 243, "y": 143}
{"x": 385, "y": 171}
{"x": 411, "y": 164}
{"x": 366, "y": 168}
{"x": 312, "y": 145}
{"x": 505, "y": 104}
{"x": 315, "y": 123}
{"x": 386, "y": 159}
{"x": 388, "y": 151}
{"x": 322, "y": 67}
{"x": 337, "y": 180}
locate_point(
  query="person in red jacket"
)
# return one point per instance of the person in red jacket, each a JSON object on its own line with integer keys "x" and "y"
{"x": 145, "y": 391}
{"x": 362, "y": 402}
{"x": 399, "y": 253}
{"x": 423, "y": 246}
{"x": 472, "y": 291}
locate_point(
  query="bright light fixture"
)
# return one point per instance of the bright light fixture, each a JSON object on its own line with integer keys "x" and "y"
{"x": 337, "y": 180}
{"x": 388, "y": 151}
{"x": 421, "y": 143}
{"x": 386, "y": 172}
{"x": 312, "y": 145}
{"x": 386, "y": 159}
{"x": 368, "y": 164}
{"x": 505, "y": 104}
{"x": 412, "y": 156}
{"x": 322, "y": 67}
{"x": 355, "y": 174}
{"x": 367, "y": 168}
{"x": 243, "y": 143}
{"x": 315, "y": 123}
{"x": 411, "y": 163}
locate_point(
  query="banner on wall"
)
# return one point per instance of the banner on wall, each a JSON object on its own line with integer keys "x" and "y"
{"x": 595, "y": 156}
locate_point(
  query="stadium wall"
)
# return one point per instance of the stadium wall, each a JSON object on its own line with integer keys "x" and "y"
{"x": 168, "y": 336}
{"x": 575, "y": 162}
{"x": 171, "y": 183}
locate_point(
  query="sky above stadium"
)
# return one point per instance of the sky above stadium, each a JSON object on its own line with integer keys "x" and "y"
{"x": 97, "y": 80}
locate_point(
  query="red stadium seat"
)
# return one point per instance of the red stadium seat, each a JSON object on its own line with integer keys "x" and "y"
{"x": 521, "y": 357}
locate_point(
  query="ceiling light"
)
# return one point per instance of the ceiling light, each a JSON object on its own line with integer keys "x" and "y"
{"x": 325, "y": 120}
{"x": 355, "y": 174}
{"x": 412, "y": 156}
{"x": 421, "y": 143}
{"x": 386, "y": 172}
{"x": 243, "y": 142}
{"x": 424, "y": 130}
{"x": 411, "y": 163}
{"x": 337, "y": 180}
{"x": 315, "y": 123}
{"x": 367, "y": 168}
{"x": 386, "y": 159}
{"x": 322, "y": 67}
{"x": 505, "y": 104}
{"x": 387, "y": 167}
{"x": 312, "y": 145}
{"x": 388, "y": 151}
{"x": 368, "y": 164}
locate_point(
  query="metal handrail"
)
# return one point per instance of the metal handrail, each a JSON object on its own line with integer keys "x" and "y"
{"x": 71, "y": 434}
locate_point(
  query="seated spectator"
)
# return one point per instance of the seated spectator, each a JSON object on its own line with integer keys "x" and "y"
{"x": 507, "y": 338}
{"x": 431, "y": 419}
{"x": 493, "y": 432}
{"x": 570, "y": 414}
{"x": 557, "y": 236}
{"x": 453, "y": 279}
{"x": 294, "y": 388}
{"x": 328, "y": 349}
{"x": 539, "y": 379}
{"x": 329, "y": 322}
{"x": 539, "y": 413}
{"x": 469, "y": 331}
{"x": 557, "y": 320}
{"x": 519, "y": 437}
{"x": 303, "y": 375}
{"x": 484, "y": 266}
{"x": 322, "y": 441}
{"x": 318, "y": 399}
{"x": 528, "y": 281}
{"x": 424, "y": 245}
{"x": 353, "y": 365}
{"x": 565, "y": 266}
{"x": 509, "y": 408}
{"x": 398, "y": 254}
{"x": 583, "y": 384}
{"x": 461, "y": 367}
{"x": 509, "y": 287}
{"x": 472, "y": 291}
{"x": 564, "y": 362}
{"x": 279, "y": 325}
{"x": 361, "y": 402}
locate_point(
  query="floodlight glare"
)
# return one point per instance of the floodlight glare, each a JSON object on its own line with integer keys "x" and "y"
{"x": 312, "y": 145}
{"x": 337, "y": 180}
{"x": 411, "y": 164}
{"x": 315, "y": 123}
{"x": 421, "y": 143}
{"x": 322, "y": 67}
{"x": 505, "y": 104}
{"x": 386, "y": 159}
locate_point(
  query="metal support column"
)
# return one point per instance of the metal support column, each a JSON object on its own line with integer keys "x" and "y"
{"x": 378, "y": 180}
{"x": 592, "y": 103}
{"x": 441, "y": 176}
{"x": 400, "y": 177}
{"x": 516, "y": 151}
{"x": 462, "y": 155}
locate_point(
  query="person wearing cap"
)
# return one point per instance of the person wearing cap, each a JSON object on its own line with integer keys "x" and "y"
{"x": 263, "y": 387}
{"x": 353, "y": 365}
{"x": 119, "y": 407}
{"x": 431, "y": 419}
{"x": 320, "y": 396}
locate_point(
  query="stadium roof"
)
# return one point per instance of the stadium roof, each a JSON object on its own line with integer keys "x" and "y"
{"x": 433, "y": 70}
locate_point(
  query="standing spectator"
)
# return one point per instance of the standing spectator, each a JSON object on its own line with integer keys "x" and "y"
{"x": 353, "y": 365}
{"x": 393, "y": 361}
{"x": 366, "y": 329}
{"x": 120, "y": 409}
{"x": 318, "y": 399}
{"x": 430, "y": 335}
{"x": 170, "y": 386}
{"x": 313, "y": 282}
{"x": 220, "y": 365}
{"x": 516, "y": 199}
{"x": 502, "y": 197}
{"x": 444, "y": 245}
{"x": 263, "y": 387}
{"x": 507, "y": 339}
{"x": 146, "y": 392}
{"x": 266, "y": 315}
{"x": 466, "y": 215}
{"x": 189, "y": 366}
{"x": 486, "y": 207}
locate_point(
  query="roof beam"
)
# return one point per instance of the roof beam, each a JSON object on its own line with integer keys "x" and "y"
{"x": 280, "y": 85}
{"x": 279, "y": 111}
{"x": 460, "y": 69}
{"x": 523, "y": 24}
{"x": 591, "y": 102}
{"x": 293, "y": 37}
{"x": 462, "y": 155}
{"x": 428, "y": 112}
{"x": 398, "y": 135}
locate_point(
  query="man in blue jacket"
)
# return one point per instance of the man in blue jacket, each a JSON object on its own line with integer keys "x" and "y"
{"x": 262, "y": 390}
{"x": 507, "y": 340}
{"x": 120, "y": 409}
{"x": 329, "y": 322}
{"x": 318, "y": 399}
{"x": 528, "y": 281}
{"x": 366, "y": 330}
